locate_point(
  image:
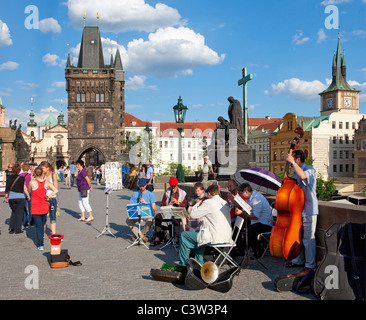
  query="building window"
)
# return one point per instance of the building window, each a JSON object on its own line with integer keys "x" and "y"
{"x": 347, "y": 168}
{"x": 340, "y": 154}
{"x": 83, "y": 97}
{"x": 334, "y": 154}
{"x": 346, "y": 139}
{"x": 334, "y": 140}
{"x": 347, "y": 125}
{"x": 341, "y": 168}
{"x": 347, "y": 154}
{"x": 97, "y": 97}
{"x": 78, "y": 97}
{"x": 334, "y": 168}
{"x": 340, "y": 125}
{"x": 333, "y": 124}
{"x": 102, "y": 97}
{"x": 353, "y": 125}
{"x": 341, "y": 140}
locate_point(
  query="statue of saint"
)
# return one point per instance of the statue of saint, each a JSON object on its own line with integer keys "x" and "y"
{"x": 236, "y": 118}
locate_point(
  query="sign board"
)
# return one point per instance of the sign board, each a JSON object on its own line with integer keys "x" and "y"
{"x": 113, "y": 175}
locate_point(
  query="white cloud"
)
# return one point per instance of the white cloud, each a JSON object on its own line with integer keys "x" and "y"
{"x": 169, "y": 52}
{"x": 359, "y": 86}
{"x": 328, "y": 2}
{"x": 137, "y": 82}
{"x": 51, "y": 60}
{"x": 5, "y": 38}
{"x": 9, "y": 65}
{"x": 299, "y": 38}
{"x": 321, "y": 35}
{"x": 59, "y": 84}
{"x": 49, "y": 25}
{"x": 299, "y": 89}
{"x": 123, "y": 15}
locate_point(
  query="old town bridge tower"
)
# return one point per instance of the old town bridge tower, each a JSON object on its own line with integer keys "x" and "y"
{"x": 96, "y": 102}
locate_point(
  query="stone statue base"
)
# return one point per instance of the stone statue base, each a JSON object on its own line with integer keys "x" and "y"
{"x": 233, "y": 159}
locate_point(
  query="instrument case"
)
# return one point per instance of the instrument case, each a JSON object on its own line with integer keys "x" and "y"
{"x": 223, "y": 283}
{"x": 341, "y": 274}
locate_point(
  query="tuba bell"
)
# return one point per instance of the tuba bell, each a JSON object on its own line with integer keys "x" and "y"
{"x": 209, "y": 272}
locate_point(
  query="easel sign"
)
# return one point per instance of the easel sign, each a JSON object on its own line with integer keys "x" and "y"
{"x": 170, "y": 212}
{"x": 143, "y": 210}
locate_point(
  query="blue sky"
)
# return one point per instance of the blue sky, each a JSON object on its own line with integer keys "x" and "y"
{"x": 194, "y": 49}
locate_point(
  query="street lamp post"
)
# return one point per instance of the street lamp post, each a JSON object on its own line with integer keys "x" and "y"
{"x": 1, "y": 154}
{"x": 147, "y": 130}
{"x": 180, "y": 114}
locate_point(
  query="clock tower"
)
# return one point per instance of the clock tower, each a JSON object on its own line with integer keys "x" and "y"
{"x": 339, "y": 96}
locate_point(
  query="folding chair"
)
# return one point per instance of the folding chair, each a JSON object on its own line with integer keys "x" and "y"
{"x": 220, "y": 247}
{"x": 264, "y": 237}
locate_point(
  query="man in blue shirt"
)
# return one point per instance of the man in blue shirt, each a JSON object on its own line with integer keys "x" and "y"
{"x": 72, "y": 172}
{"x": 306, "y": 178}
{"x": 260, "y": 217}
{"x": 141, "y": 196}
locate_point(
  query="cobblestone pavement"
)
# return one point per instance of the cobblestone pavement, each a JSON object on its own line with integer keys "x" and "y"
{"x": 109, "y": 270}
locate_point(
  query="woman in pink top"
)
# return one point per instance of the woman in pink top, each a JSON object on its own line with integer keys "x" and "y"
{"x": 40, "y": 203}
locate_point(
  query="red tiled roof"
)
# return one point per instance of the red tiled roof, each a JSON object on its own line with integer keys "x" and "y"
{"x": 166, "y": 128}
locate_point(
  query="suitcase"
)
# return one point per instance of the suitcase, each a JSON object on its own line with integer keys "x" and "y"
{"x": 60, "y": 260}
{"x": 341, "y": 274}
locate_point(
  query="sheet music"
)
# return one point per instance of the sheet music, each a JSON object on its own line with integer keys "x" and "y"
{"x": 144, "y": 210}
{"x": 241, "y": 202}
{"x": 170, "y": 212}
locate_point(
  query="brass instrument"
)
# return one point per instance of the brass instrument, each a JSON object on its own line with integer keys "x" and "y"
{"x": 209, "y": 272}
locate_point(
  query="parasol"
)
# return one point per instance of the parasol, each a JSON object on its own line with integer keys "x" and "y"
{"x": 260, "y": 179}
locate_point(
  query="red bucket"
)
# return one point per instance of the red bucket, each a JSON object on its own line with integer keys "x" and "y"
{"x": 55, "y": 238}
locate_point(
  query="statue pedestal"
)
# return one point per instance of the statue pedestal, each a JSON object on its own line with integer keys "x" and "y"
{"x": 229, "y": 160}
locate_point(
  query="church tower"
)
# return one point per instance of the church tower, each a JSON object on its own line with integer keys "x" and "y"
{"x": 31, "y": 124}
{"x": 339, "y": 96}
{"x": 96, "y": 102}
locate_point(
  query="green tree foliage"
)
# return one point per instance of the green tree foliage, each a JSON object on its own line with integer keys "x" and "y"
{"x": 172, "y": 170}
{"x": 325, "y": 189}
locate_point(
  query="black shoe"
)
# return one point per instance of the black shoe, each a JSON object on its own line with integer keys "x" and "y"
{"x": 11, "y": 231}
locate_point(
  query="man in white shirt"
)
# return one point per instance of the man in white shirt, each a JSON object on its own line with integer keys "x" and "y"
{"x": 215, "y": 226}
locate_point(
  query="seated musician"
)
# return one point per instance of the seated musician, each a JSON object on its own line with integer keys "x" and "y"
{"x": 141, "y": 196}
{"x": 260, "y": 218}
{"x": 176, "y": 197}
{"x": 215, "y": 227}
{"x": 232, "y": 187}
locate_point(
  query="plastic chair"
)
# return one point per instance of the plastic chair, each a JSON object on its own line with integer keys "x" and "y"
{"x": 220, "y": 247}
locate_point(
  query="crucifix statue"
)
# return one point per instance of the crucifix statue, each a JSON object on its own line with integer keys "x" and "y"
{"x": 243, "y": 81}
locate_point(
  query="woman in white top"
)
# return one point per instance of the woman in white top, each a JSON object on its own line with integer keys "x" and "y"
{"x": 67, "y": 175}
{"x": 51, "y": 178}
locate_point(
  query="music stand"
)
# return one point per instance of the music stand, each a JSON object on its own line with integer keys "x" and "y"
{"x": 170, "y": 213}
{"x": 139, "y": 211}
{"x": 107, "y": 191}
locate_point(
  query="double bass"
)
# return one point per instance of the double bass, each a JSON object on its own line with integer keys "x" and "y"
{"x": 287, "y": 233}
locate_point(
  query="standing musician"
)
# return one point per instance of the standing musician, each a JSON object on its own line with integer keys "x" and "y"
{"x": 215, "y": 226}
{"x": 306, "y": 178}
{"x": 260, "y": 218}
{"x": 176, "y": 197}
{"x": 142, "y": 196}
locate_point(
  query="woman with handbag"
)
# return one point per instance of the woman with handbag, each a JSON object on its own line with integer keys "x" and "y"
{"x": 84, "y": 188}
{"x": 15, "y": 192}
{"x": 51, "y": 177}
{"x": 40, "y": 203}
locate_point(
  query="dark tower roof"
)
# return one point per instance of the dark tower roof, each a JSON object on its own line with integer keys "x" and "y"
{"x": 91, "y": 52}
{"x": 339, "y": 81}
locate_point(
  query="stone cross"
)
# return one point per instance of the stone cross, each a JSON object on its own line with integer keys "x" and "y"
{"x": 243, "y": 81}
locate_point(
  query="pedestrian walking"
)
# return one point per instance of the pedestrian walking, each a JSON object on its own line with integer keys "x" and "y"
{"x": 84, "y": 189}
